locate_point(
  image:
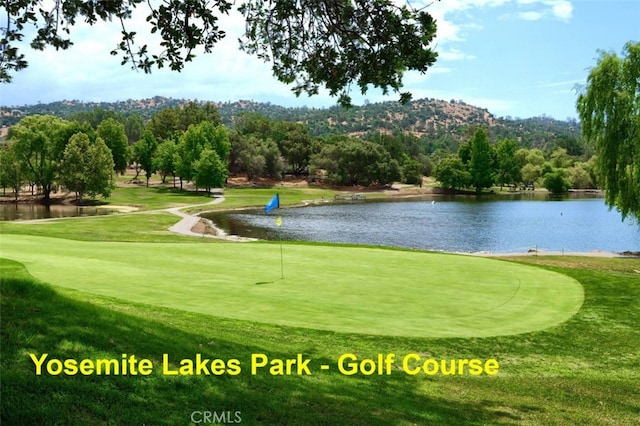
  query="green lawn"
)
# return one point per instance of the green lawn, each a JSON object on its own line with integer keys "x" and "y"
{"x": 93, "y": 288}
{"x": 583, "y": 371}
{"x": 346, "y": 289}
{"x": 162, "y": 197}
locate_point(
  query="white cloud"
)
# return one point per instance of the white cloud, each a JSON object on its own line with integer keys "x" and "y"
{"x": 561, "y": 83}
{"x": 562, "y": 9}
{"x": 454, "y": 55}
{"x": 88, "y": 72}
{"x": 448, "y": 31}
{"x": 539, "y": 9}
{"x": 530, "y": 16}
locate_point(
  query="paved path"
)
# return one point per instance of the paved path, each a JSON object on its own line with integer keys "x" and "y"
{"x": 183, "y": 227}
{"x": 188, "y": 221}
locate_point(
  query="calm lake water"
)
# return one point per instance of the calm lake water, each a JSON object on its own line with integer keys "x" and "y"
{"x": 12, "y": 211}
{"x": 450, "y": 225}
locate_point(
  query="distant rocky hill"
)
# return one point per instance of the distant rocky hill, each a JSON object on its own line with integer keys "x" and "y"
{"x": 441, "y": 123}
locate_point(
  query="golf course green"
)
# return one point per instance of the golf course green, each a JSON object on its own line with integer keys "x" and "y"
{"x": 364, "y": 290}
{"x": 562, "y": 328}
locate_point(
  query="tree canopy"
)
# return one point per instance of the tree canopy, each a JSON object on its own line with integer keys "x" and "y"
{"x": 609, "y": 108}
{"x": 480, "y": 163}
{"x": 38, "y": 144}
{"x": 309, "y": 43}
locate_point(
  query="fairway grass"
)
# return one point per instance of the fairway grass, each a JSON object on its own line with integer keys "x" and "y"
{"x": 563, "y": 329}
{"x": 364, "y": 290}
{"x": 584, "y": 371}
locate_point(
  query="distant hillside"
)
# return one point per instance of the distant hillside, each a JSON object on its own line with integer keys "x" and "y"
{"x": 442, "y": 124}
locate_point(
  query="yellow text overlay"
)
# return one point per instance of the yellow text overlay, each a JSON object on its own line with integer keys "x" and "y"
{"x": 347, "y": 364}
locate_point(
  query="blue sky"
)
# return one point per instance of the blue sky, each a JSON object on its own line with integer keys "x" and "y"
{"x": 518, "y": 58}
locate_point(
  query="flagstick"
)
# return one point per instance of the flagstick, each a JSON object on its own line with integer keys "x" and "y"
{"x": 274, "y": 203}
{"x": 281, "y": 257}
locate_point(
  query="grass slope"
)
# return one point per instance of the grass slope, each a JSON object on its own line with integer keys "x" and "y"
{"x": 162, "y": 197}
{"x": 347, "y": 289}
{"x": 583, "y": 371}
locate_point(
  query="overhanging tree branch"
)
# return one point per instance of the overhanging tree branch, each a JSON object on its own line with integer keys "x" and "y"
{"x": 310, "y": 43}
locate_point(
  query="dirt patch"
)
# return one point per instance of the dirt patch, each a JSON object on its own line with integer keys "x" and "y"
{"x": 204, "y": 226}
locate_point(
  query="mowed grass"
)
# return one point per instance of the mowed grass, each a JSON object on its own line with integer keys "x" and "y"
{"x": 162, "y": 197}
{"x": 135, "y": 227}
{"x": 347, "y": 289}
{"x": 583, "y": 371}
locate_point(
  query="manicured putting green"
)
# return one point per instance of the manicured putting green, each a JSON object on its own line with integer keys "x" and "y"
{"x": 345, "y": 289}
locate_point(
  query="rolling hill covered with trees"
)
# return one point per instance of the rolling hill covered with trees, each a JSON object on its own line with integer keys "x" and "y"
{"x": 440, "y": 123}
{"x": 376, "y": 144}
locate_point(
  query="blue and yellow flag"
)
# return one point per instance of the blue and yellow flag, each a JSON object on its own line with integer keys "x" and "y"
{"x": 273, "y": 204}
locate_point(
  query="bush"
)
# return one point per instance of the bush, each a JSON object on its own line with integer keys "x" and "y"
{"x": 556, "y": 182}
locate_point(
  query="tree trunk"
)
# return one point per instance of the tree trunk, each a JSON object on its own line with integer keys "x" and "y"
{"x": 46, "y": 191}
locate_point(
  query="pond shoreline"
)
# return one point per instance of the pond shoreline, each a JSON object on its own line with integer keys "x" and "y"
{"x": 529, "y": 226}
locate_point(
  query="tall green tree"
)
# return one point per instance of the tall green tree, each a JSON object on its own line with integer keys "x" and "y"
{"x": 580, "y": 176}
{"x": 481, "y": 162}
{"x": 209, "y": 170}
{"x": 74, "y": 165}
{"x": 351, "y": 161}
{"x": 164, "y": 159}
{"x": 464, "y": 152}
{"x": 86, "y": 167}
{"x": 535, "y": 157}
{"x": 192, "y": 113}
{"x": 252, "y": 123}
{"x": 249, "y": 160}
{"x": 113, "y": 134}
{"x": 295, "y": 144}
{"x": 412, "y": 171}
{"x": 508, "y": 167}
{"x": 273, "y": 165}
{"x": 165, "y": 124}
{"x": 197, "y": 138}
{"x": 133, "y": 128}
{"x": 609, "y": 109}
{"x": 531, "y": 174}
{"x": 11, "y": 173}
{"x": 36, "y": 144}
{"x": 556, "y": 181}
{"x": 100, "y": 170}
{"x": 96, "y": 116}
{"x": 254, "y": 156}
{"x": 310, "y": 43}
{"x": 144, "y": 152}
{"x": 452, "y": 173}
{"x": 559, "y": 158}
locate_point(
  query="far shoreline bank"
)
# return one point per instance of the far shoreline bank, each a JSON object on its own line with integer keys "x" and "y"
{"x": 399, "y": 193}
